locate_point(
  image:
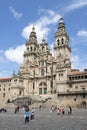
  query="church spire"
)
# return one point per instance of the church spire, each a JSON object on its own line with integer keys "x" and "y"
{"x": 33, "y": 37}
{"x": 61, "y": 24}
{"x": 33, "y": 28}
{"x": 44, "y": 46}
{"x": 61, "y": 29}
{"x": 44, "y": 40}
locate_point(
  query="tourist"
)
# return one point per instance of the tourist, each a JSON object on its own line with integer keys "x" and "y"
{"x": 27, "y": 115}
{"x": 58, "y": 111}
{"x": 63, "y": 112}
{"x": 16, "y": 109}
{"x": 68, "y": 110}
{"x": 32, "y": 114}
{"x": 40, "y": 107}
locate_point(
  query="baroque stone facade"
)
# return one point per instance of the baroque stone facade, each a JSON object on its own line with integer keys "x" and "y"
{"x": 44, "y": 77}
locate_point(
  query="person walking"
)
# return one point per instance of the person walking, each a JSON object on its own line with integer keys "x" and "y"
{"x": 63, "y": 111}
{"x": 58, "y": 111}
{"x": 27, "y": 115}
{"x": 32, "y": 114}
{"x": 70, "y": 109}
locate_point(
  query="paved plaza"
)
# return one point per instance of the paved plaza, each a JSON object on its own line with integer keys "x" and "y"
{"x": 44, "y": 120}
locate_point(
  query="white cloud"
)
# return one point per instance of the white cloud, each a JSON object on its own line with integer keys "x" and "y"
{"x": 42, "y": 25}
{"x": 15, "y": 55}
{"x": 15, "y": 13}
{"x": 82, "y": 33}
{"x": 76, "y": 5}
{"x": 39, "y": 29}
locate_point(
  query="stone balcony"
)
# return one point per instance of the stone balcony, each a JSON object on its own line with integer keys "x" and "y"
{"x": 72, "y": 93}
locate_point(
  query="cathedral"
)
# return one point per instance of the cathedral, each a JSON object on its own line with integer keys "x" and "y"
{"x": 44, "y": 78}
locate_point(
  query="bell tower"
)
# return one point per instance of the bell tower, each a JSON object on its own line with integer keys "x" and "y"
{"x": 62, "y": 50}
{"x": 31, "y": 47}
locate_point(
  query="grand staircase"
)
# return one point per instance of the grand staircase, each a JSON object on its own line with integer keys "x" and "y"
{"x": 30, "y": 100}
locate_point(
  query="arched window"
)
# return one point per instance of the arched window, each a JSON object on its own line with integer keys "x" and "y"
{"x": 51, "y": 84}
{"x": 40, "y": 84}
{"x": 62, "y": 41}
{"x": 31, "y": 48}
{"x": 42, "y": 63}
{"x": 42, "y": 72}
{"x": 40, "y": 91}
{"x": 58, "y": 41}
{"x": 43, "y": 84}
{"x": 45, "y": 90}
{"x": 20, "y": 92}
{"x": 3, "y": 95}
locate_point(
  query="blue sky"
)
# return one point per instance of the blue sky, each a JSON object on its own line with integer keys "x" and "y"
{"x": 17, "y": 18}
